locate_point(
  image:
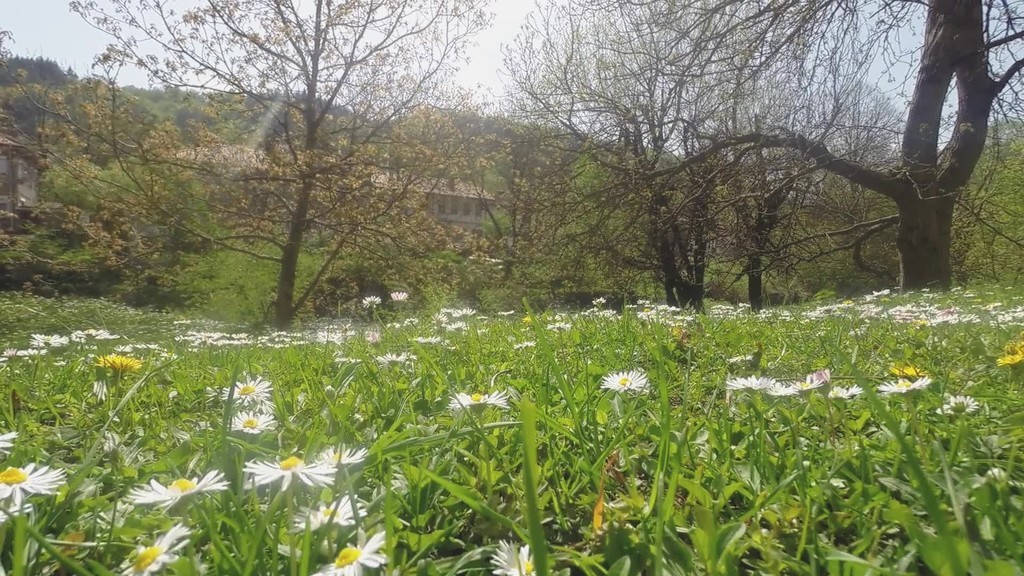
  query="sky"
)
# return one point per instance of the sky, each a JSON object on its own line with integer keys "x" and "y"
{"x": 48, "y": 28}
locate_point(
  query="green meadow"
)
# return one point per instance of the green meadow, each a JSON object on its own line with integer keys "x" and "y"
{"x": 883, "y": 435}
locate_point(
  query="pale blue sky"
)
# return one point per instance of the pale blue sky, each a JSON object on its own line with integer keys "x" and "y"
{"x": 50, "y": 29}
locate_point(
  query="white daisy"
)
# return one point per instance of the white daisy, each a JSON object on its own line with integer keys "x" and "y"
{"x": 342, "y": 456}
{"x": 371, "y": 301}
{"x": 429, "y": 340}
{"x": 167, "y": 496}
{"x": 840, "y": 393}
{"x": 509, "y": 561}
{"x": 341, "y": 359}
{"x": 399, "y": 296}
{"x": 395, "y": 359}
{"x": 8, "y": 512}
{"x": 48, "y": 341}
{"x": 750, "y": 383}
{"x": 460, "y": 400}
{"x": 150, "y": 559}
{"x": 252, "y": 422}
{"x": 779, "y": 389}
{"x": 522, "y": 345}
{"x": 631, "y": 381}
{"x": 252, "y": 392}
{"x": 16, "y": 483}
{"x": 291, "y": 468}
{"x": 6, "y": 442}
{"x": 342, "y": 512}
{"x": 353, "y": 559}
{"x": 813, "y": 381}
{"x": 372, "y": 337}
{"x": 99, "y": 390}
{"x": 957, "y": 405}
{"x": 903, "y": 386}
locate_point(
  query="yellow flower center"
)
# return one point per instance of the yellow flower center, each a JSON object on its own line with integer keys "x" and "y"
{"x": 624, "y": 381}
{"x": 183, "y": 485}
{"x": 250, "y": 423}
{"x": 291, "y": 463}
{"x": 905, "y": 384}
{"x": 247, "y": 390}
{"x": 476, "y": 397}
{"x": 146, "y": 558}
{"x": 12, "y": 476}
{"x": 347, "y": 557}
{"x": 528, "y": 567}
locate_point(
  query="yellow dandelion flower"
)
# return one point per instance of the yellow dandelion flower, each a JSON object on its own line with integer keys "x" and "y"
{"x": 118, "y": 363}
{"x": 906, "y": 370}
{"x": 1011, "y": 359}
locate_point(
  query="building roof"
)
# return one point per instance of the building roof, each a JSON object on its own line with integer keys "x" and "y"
{"x": 457, "y": 188}
{"x": 8, "y": 142}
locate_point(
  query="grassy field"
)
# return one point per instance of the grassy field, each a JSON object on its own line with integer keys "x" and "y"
{"x": 878, "y": 436}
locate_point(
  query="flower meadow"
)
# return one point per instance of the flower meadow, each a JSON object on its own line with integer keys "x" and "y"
{"x": 882, "y": 435}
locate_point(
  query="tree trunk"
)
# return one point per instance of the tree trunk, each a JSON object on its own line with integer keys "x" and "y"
{"x": 755, "y": 283}
{"x": 284, "y": 305}
{"x": 923, "y": 238}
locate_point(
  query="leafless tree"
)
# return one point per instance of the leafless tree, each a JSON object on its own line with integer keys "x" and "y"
{"x": 327, "y": 80}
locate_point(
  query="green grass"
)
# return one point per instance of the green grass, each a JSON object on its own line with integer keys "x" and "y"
{"x": 696, "y": 479}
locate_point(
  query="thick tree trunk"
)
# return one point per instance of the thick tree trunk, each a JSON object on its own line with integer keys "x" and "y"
{"x": 923, "y": 238}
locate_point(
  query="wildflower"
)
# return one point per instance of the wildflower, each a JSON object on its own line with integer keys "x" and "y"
{"x": 903, "y": 386}
{"x": 750, "y": 383}
{"x": 353, "y": 559}
{"x": 523, "y": 345}
{"x": 16, "y": 483}
{"x": 373, "y": 337}
{"x": 291, "y": 468}
{"x": 780, "y": 389}
{"x": 48, "y": 341}
{"x": 99, "y": 390}
{"x": 556, "y": 326}
{"x": 840, "y": 393}
{"x": 399, "y": 296}
{"x": 429, "y": 340}
{"x": 167, "y": 496}
{"x": 813, "y": 381}
{"x": 337, "y": 458}
{"x": 342, "y": 359}
{"x": 1012, "y": 359}
{"x": 905, "y": 370}
{"x": 150, "y": 559}
{"x": 8, "y": 513}
{"x": 461, "y": 400}
{"x": 957, "y": 405}
{"x": 6, "y": 442}
{"x": 341, "y": 513}
{"x": 252, "y": 422}
{"x": 119, "y": 364}
{"x": 371, "y": 301}
{"x": 391, "y": 358}
{"x": 631, "y": 381}
{"x": 508, "y": 561}
{"x": 251, "y": 392}
{"x": 997, "y": 475}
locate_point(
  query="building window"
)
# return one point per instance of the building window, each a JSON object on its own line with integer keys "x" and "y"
{"x": 467, "y": 207}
